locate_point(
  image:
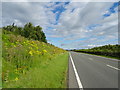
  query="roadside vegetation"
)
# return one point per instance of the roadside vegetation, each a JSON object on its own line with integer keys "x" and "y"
{"x": 112, "y": 51}
{"x": 0, "y": 58}
{"x": 32, "y": 63}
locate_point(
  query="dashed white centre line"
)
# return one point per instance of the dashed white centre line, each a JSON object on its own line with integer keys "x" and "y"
{"x": 91, "y": 59}
{"x": 113, "y": 67}
{"x": 76, "y": 74}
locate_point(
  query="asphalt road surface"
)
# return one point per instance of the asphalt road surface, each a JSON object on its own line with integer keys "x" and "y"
{"x": 90, "y": 71}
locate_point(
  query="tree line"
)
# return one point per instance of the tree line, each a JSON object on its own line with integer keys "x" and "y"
{"x": 28, "y": 31}
{"x": 106, "y": 50}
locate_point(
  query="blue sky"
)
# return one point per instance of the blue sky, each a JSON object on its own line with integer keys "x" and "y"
{"x": 68, "y": 25}
{"x": 112, "y": 10}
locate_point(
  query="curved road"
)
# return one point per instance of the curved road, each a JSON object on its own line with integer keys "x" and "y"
{"x": 90, "y": 71}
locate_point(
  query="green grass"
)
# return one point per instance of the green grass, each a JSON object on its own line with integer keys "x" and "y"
{"x": 32, "y": 64}
{"x": 0, "y": 58}
{"x": 50, "y": 74}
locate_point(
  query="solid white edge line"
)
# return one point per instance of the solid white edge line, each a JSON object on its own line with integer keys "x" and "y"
{"x": 113, "y": 67}
{"x": 76, "y": 74}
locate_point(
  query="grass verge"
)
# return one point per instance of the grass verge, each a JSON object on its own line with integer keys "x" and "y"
{"x": 28, "y": 63}
{"x": 50, "y": 74}
{"x": 0, "y": 58}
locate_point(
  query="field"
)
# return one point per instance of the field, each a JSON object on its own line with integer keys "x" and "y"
{"x": 28, "y": 63}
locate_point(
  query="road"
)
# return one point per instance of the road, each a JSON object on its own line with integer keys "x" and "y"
{"x": 90, "y": 71}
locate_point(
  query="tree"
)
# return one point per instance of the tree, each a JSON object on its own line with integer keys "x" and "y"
{"x": 29, "y": 31}
{"x": 28, "y": 28}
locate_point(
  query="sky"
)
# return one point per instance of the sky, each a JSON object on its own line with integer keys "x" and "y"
{"x": 68, "y": 25}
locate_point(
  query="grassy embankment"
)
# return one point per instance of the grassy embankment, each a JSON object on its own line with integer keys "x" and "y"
{"x": 32, "y": 64}
{"x": 110, "y": 51}
{"x": 0, "y": 58}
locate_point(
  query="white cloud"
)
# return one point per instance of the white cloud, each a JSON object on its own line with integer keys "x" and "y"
{"x": 84, "y": 15}
{"x": 24, "y": 12}
{"x": 0, "y": 14}
{"x": 60, "y": 1}
{"x": 74, "y": 24}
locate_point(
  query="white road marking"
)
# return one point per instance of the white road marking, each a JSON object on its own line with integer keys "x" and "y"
{"x": 76, "y": 74}
{"x": 91, "y": 59}
{"x": 113, "y": 67}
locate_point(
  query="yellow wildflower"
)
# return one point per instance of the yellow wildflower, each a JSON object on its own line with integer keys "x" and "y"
{"x": 16, "y": 79}
{"x": 32, "y": 42}
{"x": 30, "y": 47}
{"x": 44, "y": 51}
{"x": 37, "y": 52}
{"x": 31, "y": 53}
